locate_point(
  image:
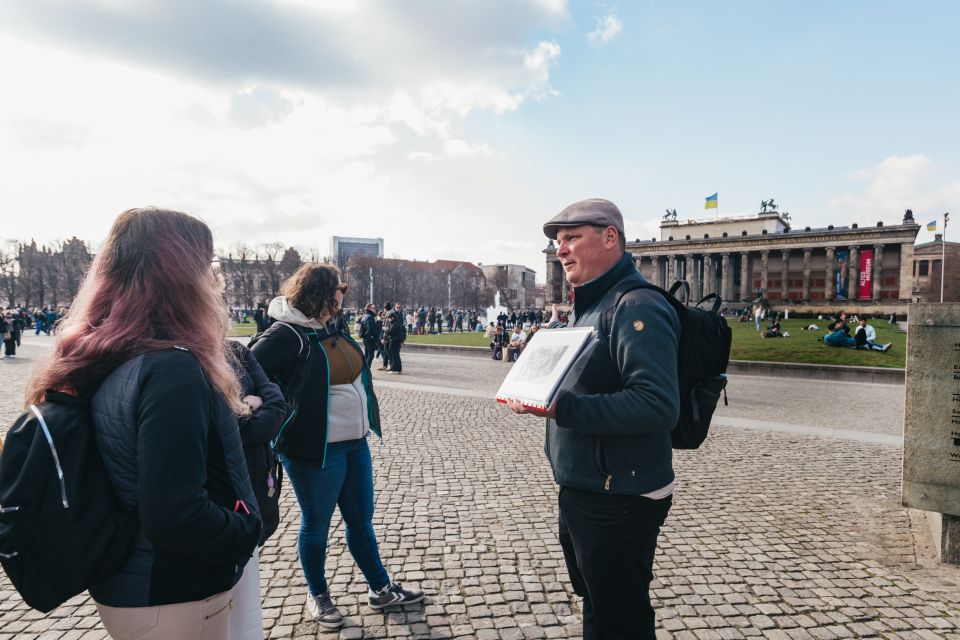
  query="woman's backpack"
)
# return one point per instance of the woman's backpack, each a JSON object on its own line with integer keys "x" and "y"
{"x": 61, "y": 526}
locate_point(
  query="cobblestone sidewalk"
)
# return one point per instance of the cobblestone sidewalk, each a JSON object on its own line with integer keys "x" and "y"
{"x": 771, "y": 535}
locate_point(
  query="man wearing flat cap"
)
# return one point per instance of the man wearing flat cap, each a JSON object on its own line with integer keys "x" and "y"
{"x": 608, "y": 432}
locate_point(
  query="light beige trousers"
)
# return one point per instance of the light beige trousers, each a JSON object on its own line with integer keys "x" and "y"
{"x": 207, "y": 619}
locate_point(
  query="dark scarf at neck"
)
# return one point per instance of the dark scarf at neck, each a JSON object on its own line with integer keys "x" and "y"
{"x": 588, "y": 293}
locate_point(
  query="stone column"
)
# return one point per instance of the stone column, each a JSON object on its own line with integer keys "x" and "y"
{"x": 806, "y": 275}
{"x": 692, "y": 274}
{"x": 550, "y": 280}
{"x": 764, "y": 257}
{"x": 878, "y": 271}
{"x": 746, "y": 282}
{"x": 830, "y": 274}
{"x": 671, "y": 271}
{"x": 853, "y": 289}
{"x": 725, "y": 280}
{"x": 709, "y": 278}
{"x": 785, "y": 276}
{"x": 906, "y": 272}
{"x": 655, "y": 275}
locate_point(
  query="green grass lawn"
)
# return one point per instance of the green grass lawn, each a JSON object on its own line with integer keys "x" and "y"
{"x": 240, "y": 329}
{"x": 801, "y": 346}
{"x": 456, "y": 339}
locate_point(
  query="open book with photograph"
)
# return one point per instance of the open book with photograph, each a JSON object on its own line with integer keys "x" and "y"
{"x": 537, "y": 375}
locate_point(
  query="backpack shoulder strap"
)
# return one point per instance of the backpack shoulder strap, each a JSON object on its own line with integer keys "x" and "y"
{"x": 622, "y": 288}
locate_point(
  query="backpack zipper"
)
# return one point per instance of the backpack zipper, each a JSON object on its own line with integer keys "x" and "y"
{"x": 56, "y": 458}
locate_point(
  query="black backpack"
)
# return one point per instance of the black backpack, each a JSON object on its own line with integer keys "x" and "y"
{"x": 292, "y": 387}
{"x": 704, "y": 352}
{"x": 61, "y": 526}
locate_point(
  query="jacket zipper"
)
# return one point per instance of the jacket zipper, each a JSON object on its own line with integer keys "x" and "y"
{"x": 601, "y": 464}
{"x": 56, "y": 458}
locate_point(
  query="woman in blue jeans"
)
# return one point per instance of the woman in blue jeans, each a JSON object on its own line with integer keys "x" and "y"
{"x": 323, "y": 441}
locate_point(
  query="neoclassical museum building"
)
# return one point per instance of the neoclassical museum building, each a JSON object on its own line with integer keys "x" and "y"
{"x": 866, "y": 270}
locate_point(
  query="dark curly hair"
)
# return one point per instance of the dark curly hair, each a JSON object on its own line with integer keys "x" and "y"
{"x": 311, "y": 289}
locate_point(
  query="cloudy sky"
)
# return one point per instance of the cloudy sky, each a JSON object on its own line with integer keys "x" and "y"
{"x": 453, "y": 129}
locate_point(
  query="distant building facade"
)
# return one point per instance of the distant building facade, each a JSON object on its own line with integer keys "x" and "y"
{"x": 343, "y": 248}
{"x": 442, "y": 283}
{"x": 928, "y": 266}
{"x": 746, "y": 258}
{"x": 515, "y": 281}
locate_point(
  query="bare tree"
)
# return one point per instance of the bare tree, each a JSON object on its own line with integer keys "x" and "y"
{"x": 75, "y": 259}
{"x": 238, "y": 274}
{"x": 270, "y": 254}
{"x": 9, "y": 273}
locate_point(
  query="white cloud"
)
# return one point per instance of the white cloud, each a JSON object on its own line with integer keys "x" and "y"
{"x": 606, "y": 30}
{"x": 895, "y": 184}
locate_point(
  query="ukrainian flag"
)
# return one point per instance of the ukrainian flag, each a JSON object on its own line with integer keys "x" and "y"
{"x": 932, "y": 226}
{"x": 711, "y": 202}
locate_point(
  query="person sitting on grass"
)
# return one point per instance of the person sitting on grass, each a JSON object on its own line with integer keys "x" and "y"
{"x": 866, "y": 338}
{"x": 837, "y": 337}
{"x": 773, "y": 331}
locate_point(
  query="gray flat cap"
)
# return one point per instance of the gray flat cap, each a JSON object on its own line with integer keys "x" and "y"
{"x": 595, "y": 211}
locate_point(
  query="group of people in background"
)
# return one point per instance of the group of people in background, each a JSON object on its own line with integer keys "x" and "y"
{"x": 382, "y": 332}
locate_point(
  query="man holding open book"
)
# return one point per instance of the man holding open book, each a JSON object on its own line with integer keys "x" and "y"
{"x": 608, "y": 430}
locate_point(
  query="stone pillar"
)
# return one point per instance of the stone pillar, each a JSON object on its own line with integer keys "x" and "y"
{"x": 726, "y": 281}
{"x": 806, "y": 275}
{"x": 746, "y": 282}
{"x": 785, "y": 276}
{"x": 671, "y": 271}
{"x": 906, "y": 272}
{"x": 830, "y": 274}
{"x": 764, "y": 258}
{"x": 853, "y": 288}
{"x": 878, "y": 271}
{"x": 709, "y": 277}
{"x": 550, "y": 280}
{"x": 692, "y": 275}
{"x": 655, "y": 275}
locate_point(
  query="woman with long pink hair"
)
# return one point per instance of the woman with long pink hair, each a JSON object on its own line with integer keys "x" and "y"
{"x": 144, "y": 340}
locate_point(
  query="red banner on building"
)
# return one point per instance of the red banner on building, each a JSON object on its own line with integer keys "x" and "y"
{"x": 865, "y": 292}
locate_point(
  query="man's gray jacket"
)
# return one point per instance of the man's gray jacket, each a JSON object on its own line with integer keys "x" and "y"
{"x": 621, "y": 398}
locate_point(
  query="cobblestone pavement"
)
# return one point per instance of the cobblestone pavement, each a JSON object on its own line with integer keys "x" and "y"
{"x": 773, "y": 534}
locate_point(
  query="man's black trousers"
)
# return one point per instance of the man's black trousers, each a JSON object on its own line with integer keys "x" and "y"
{"x": 395, "y": 363}
{"x": 370, "y": 351}
{"x": 609, "y": 542}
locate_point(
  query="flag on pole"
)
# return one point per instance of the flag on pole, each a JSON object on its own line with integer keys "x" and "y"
{"x": 932, "y": 225}
{"x": 710, "y": 202}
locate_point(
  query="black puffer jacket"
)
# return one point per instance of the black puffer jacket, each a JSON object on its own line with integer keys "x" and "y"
{"x": 172, "y": 449}
{"x": 257, "y": 431}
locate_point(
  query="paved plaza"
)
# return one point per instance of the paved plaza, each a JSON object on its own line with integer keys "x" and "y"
{"x": 786, "y": 524}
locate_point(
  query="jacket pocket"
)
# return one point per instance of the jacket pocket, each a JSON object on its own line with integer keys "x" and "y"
{"x": 600, "y": 458}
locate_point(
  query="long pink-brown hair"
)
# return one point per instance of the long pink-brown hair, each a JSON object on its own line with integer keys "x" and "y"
{"x": 150, "y": 287}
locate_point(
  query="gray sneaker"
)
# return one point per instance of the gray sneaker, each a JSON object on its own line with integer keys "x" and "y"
{"x": 393, "y": 594}
{"x": 323, "y": 610}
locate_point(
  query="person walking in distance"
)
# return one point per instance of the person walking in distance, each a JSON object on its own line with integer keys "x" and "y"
{"x": 369, "y": 333}
{"x": 395, "y": 337}
{"x": 608, "y": 433}
{"x": 323, "y": 444}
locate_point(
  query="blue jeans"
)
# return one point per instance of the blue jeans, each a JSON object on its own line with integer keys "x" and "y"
{"x": 345, "y": 481}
